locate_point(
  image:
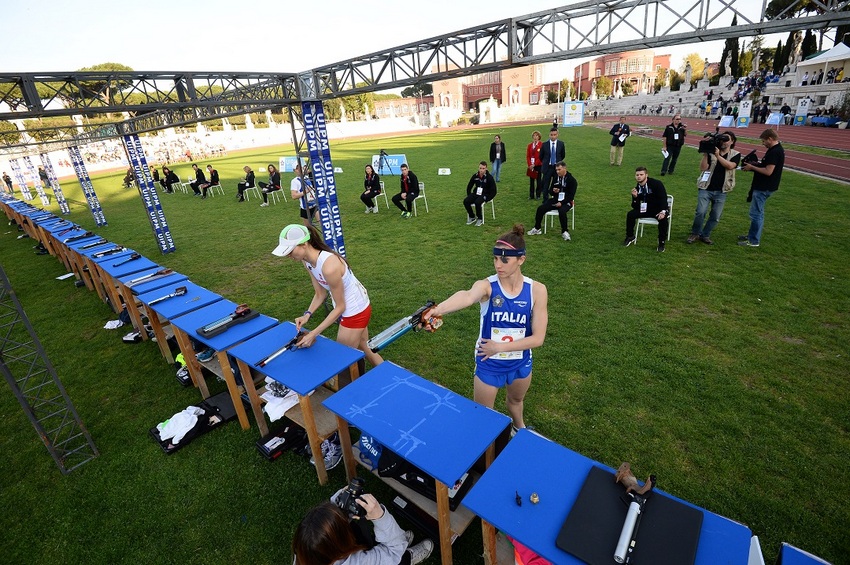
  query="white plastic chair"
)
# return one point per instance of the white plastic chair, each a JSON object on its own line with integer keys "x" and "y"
{"x": 255, "y": 189}
{"x": 653, "y": 222}
{"x": 212, "y": 188}
{"x": 552, "y": 215}
{"x": 185, "y": 186}
{"x": 384, "y": 194}
{"x": 422, "y": 196}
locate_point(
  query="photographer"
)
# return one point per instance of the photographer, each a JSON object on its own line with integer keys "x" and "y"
{"x": 329, "y": 535}
{"x": 718, "y": 178}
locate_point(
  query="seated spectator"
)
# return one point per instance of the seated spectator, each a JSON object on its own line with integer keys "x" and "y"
{"x": 213, "y": 180}
{"x": 559, "y": 197}
{"x": 200, "y": 180}
{"x": 129, "y": 178}
{"x": 245, "y": 184}
{"x": 271, "y": 186}
{"x": 409, "y": 191}
{"x": 649, "y": 200}
{"x": 301, "y": 188}
{"x": 481, "y": 188}
{"x": 371, "y": 189}
{"x": 168, "y": 180}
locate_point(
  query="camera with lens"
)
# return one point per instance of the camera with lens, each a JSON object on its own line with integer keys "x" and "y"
{"x": 712, "y": 141}
{"x": 347, "y": 499}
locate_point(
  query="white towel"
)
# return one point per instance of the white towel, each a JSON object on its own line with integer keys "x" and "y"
{"x": 277, "y": 406}
{"x": 178, "y": 425}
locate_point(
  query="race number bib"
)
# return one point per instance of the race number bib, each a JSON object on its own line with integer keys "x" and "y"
{"x": 507, "y": 334}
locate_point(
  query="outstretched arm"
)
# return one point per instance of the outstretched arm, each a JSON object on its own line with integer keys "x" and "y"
{"x": 479, "y": 292}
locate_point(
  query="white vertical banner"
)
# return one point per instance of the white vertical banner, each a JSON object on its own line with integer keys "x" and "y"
{"x": 22, "y": 182}
{"x": 54, "y": 183}
{"x": 45, "y": 200}
{"x": 745, "y": 108}
{"x": 573, "y": 114}
{"x": 803, "y": 107}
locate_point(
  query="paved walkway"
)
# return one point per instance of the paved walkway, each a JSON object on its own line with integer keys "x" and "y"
{"x": 829, "y": 138}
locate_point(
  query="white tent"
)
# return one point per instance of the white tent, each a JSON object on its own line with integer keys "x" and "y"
{"x": 838, "y": 56}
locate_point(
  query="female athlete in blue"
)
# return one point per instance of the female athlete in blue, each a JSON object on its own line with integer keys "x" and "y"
{"x": 514, "y": 317}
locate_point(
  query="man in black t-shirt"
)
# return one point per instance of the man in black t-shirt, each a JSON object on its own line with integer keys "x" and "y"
{"x": 674, "y": 138}
{"x": 768, "y": 173}
{"x": 717, "y": 179}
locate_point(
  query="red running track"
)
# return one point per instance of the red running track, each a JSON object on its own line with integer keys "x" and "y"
{"x": 814, "y": 136}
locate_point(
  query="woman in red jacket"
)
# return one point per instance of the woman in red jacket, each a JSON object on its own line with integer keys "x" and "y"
{"x": 532, "y": 157}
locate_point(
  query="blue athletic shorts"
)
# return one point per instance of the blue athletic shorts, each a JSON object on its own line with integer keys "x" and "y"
{"x": 504, "y": 379}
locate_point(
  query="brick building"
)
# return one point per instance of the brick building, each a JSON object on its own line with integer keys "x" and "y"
{"x": 637, "y": 68}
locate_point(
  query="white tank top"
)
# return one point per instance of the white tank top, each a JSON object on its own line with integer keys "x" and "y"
{"x": 356, "y": 297}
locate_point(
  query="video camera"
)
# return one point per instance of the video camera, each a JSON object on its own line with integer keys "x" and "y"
{"x": 710, "y": 141}
{"x": 347, "y": 499}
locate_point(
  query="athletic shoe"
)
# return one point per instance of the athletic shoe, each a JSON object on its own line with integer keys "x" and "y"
{"x": 747, "y": 244}
{"x": 375, "y": 210}
{"x": 743, "y": 237}
{"x": 660, "y": 247}
{"x": 566, "y": 236}
{"x": 421, "y": 551}
{"x": 368, "y": 211}
{"x": 403, "y": 212}
{"x": 706, "y": 240}
{"x": 534, "y": 231}
{"x": 628, "y": 241}
{"x": 692, "y": 238}
{"x": 470, "y": 220}
{"x": 205, "y": 355}
{"x": 264, "y": 205}
{"x": 515, "y": 429}
{"x": 479, "y": 223}
{"x": 408, "y": 536}
{"x": 331, "y": 452}
{"x": 408, "y": 215}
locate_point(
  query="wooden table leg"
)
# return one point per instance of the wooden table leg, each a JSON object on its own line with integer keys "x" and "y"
{"x": 253, "y": 397}
{"x": 233, "y": 388}
{"x": 133, "y": 310}
{"x": 444, "y": 521}
{"x": 191, "y": 362}
{"x": 347, "y": 452}
{"x": 159, "y": 332}
{"x": 489, "y": 534}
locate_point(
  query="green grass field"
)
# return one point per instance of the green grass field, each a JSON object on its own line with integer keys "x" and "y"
{"x": 723, "y": 370}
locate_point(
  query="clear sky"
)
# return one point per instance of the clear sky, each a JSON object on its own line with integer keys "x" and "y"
{"x": 251, "y": 35}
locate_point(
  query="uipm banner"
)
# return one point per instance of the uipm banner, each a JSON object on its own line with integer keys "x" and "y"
{"x": 136, "y": 156}
{"x": 316, "y": 135}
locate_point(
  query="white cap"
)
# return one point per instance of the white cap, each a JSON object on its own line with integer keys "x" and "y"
{"x": 290, "y": 237}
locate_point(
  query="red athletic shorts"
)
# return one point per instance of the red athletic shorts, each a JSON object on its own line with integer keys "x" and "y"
{"x": 358, "y": 321}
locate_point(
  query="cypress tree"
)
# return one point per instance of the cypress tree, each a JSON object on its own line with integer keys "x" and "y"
{"x": 778, "y": 61}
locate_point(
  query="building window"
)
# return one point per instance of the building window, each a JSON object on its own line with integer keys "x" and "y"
{"x": 598, "y": 72}
{"x": 533, "y": 99}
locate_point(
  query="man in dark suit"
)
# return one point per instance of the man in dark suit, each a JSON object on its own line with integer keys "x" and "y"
{"x": 551, "y": 152}
{"x": 649, "y": 200}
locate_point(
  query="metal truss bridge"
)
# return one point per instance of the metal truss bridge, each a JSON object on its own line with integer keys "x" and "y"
{"x": 154, "y": 100}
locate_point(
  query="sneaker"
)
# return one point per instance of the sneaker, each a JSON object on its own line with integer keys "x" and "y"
{"x": 325, "y": 447}
{"x": 628, "y": 241}
{"x": 534, "y": 231}
{"x": 515, "y": 429}
{"x": 660, "y": 247}
{"x": 375, "y": 210}
{"x": 408, "y": 536}
{"x": 706, "y": 240}
{"x": 368, "y": 211}
{"x": 408, "y": 215}
{"x": 205, "y": 355}
{"x": 746, "y": 243}
{"x": 264, "y": 205}
{"x": 566, "y": 236}
{"x": 421, "y": 551}
{"x": 479, "y": 223}
{"x": 470, "y": 220}
{"x": 403, "y": 213}
{"x": 333, "y": 456}
{"x": 743, "y": 237}
{"x": 692, "y": 238}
